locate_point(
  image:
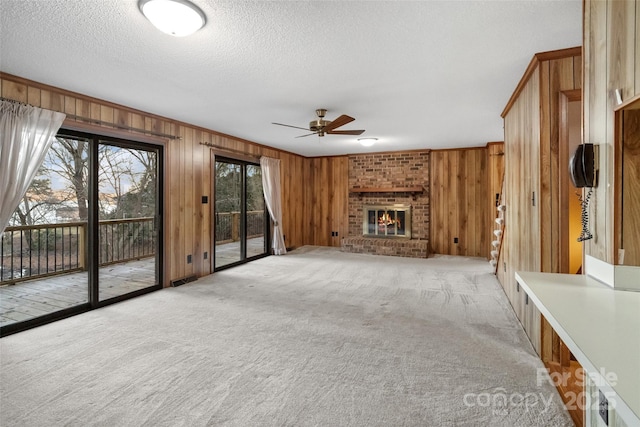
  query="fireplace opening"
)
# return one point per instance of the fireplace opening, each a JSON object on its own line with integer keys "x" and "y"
{"x": 387, "y": 221}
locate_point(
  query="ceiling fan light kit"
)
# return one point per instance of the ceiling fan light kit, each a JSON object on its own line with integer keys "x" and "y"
{"x": 178, "y": 18}
{"x": 320, "y": 126}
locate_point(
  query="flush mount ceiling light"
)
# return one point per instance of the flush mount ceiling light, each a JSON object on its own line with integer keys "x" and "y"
{"x": 175, "y": 17}
{"x": 367, "y": 142}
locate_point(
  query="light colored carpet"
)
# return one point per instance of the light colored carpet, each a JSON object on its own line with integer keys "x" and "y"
{"x": 316, "y": 337}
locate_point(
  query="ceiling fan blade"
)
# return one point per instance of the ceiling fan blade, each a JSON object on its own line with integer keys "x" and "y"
{"x": 340, "y": 121}
{"x": 346, "y": 132}
{"x": 309, "y": 134}
{"x": 289, "y": 126}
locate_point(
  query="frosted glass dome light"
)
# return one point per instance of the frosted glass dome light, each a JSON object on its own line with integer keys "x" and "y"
{"x": 178, "y": 18}
{"x": 367, "y": 142}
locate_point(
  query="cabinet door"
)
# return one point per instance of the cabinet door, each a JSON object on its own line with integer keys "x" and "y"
{"x": 530, "y": 320}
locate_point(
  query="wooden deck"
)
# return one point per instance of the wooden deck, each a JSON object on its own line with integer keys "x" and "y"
{"x": 228, "y": 253}
{"x": 34, "y": 298}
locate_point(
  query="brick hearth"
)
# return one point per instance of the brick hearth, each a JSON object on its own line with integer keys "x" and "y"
{"x": 380, "y": 246}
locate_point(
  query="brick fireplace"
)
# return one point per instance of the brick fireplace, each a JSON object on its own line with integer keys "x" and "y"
{"x": 383, "y": 181}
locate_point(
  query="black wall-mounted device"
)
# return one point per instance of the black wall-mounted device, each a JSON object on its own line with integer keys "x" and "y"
{"x": 583, "y": 173}
{"x": 582, "y": 166}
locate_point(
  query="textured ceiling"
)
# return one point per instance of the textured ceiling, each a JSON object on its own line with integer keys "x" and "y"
{"x": 418, "y": 74}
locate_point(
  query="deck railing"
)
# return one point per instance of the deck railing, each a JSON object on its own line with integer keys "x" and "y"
{"x": 28, "y": 252}
{"x": 228, "y": 226}
{"x": 124, "y": 240}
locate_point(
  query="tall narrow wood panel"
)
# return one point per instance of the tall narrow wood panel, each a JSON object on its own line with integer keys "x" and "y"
{"x": 521, "y": 250}
{"x": 557, "y": 75}
{"x": 438, "y": 205}
{"x": 339, "y": 199}
{"x": 293, "y": 190}
{"x": 327, "y": 197}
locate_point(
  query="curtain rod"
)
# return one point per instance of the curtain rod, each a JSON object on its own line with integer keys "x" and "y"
{"x": 122, "y": 127}
{"x": 2, "y": 98}
{"x": 231, "y": 150}
{"x": 103, "y": 123}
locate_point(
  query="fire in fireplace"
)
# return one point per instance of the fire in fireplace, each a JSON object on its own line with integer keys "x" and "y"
{"x": 386, "y": 221}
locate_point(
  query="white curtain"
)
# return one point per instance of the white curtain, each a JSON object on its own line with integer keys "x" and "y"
{"x": 272, "y": 195}
{"x": 26, "y": 133}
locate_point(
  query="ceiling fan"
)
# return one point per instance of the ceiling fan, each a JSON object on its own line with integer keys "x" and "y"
{"x": 320, "y": 126}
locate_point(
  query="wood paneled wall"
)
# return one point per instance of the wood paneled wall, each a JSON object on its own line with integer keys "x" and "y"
{"x": 188, "y": 168}
{"x": 459, "y": 206}
{"x": 612, "y": 61}
{"x": 292, "y": 168}
{"x": 532, "y": 169}
{"x": 327, "y": 215}
{"x": 521, "y": 243}
{"x": 630, "y": 227}
{"x": 556, "y": 75}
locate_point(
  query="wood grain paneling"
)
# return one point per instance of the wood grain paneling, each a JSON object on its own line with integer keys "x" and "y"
{"x": 292, "y": 169}
{"x": 339, "y": 200}
{"x": 532, "y": 170}
{"x": 630, "y": 240}
{"x": 459, "y": 202}
{"x": 326, "y": 209}
{"x": 188, "y": 165}
{"x": 611, "y": 61}
{"x": 594, "y": 110}
{"x": 560, "y": 78}
{"x": 522, "y": 247}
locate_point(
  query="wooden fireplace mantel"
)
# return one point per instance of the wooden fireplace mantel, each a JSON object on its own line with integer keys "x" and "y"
{"x": 417, "y": 189}
{"x": 413, "y": 190}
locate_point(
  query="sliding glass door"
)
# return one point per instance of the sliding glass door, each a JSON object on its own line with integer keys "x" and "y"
{"x": 241, "y": 224}
{"x": 257, "y": 218}
{"x": 43, "y": 251}
{"x": 127, "y": 210}
{"x": 86, "y": 233}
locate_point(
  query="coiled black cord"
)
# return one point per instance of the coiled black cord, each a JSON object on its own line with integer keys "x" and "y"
{"x": 585, "y": 234}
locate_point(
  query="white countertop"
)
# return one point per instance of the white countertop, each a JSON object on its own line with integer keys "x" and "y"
{"x": 600, "y": 325}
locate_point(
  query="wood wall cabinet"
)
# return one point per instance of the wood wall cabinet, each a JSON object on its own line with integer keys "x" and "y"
{"x": 529, "y": 316}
